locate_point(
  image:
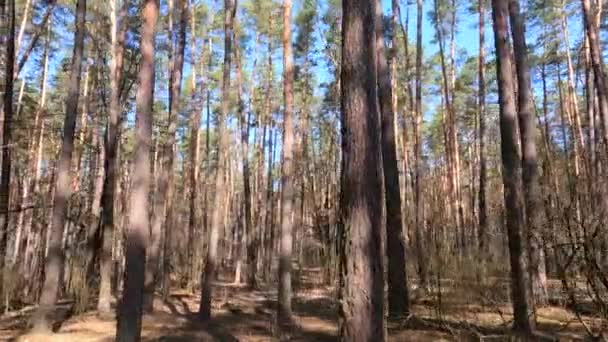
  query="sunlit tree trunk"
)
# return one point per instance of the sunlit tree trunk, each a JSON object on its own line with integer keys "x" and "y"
{"x": 287, "y": 177}
{"x": 32, "y": 177}
{"x": 131, "y": 304}
{"x": 513, "y": 199}
{"x": 26, "y": 11}
{"x": 35, "y": 38}
{"x": 210, "y": 272}
{"x": 362, "y": 311}
{"x": 531, "y": 186}
{"x": 108, "y": 201}
{"x": 198, "y": 94}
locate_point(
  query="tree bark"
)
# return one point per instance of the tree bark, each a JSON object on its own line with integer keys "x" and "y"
{"x": 398, "y": 299}
{"x": 119, "y": 30}
{"x": 523, "y": 311}
{"x": 419, "y": 201}
{"x": 130, "y": 309}
{"x": 483, "y": 209}
{"x": 210, "y": 271}
{"x": 531, "y": 185}
{"x": 287, "y": 177}
{"x": 198, "y": 95}
{"x": 248, "y": 248}
{"x": 7, "y": 109}
{"x": 54, "y": 263}
{"x": 175, "y": 93}
{"x": 362, "y": 310}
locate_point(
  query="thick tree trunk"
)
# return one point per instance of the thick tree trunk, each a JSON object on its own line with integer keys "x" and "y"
{"x": 7, "y": 113}
{"x": 523, "y": 311}
{"x": 361, "y": 256}
{"x": 130, "y": 309}
{"x": 209, "y": 274}
{"x": 287, "y": 177}
{"x": 531, "y": 185}
{"x": 54, "y": 263}
{"x": 398, "y": 299}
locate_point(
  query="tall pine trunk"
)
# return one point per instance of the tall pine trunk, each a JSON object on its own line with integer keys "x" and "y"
{"x": 210, "y": 272}
{"x": 198, "y": 95}
{"x": 398, "y": 300}
{"x": 287, "y": 177}
{"x": 483, "y": 209}
{"x": 7, "y": 117}
{"x": 531, "y": 185}
{"x": 54, "y": 263}
{"x": 419, "y": 201}
{"x": 119, "y": 30}
{"x": 362, "y": 309}
{"x": 130, "y": 307}
{"x": 513, "y": 199}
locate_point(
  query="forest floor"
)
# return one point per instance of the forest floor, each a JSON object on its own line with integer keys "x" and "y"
{"x": 242, "y": 315}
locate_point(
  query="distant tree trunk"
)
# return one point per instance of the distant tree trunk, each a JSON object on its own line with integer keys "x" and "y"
{"x": 523, "y": 311}
{"x": 119, "y": 30}
{"x": 411, "y": 108}
{"x": 163, "y": 208}
{"x": 287, "y": 177}
{"x": 589, "y": 102}
{"x": 209, "y": 274}
{"x": 573, "y": 101}
{"x": 130, "y": 309}
{"x": 247, "y": 226}
{"x": 531, "y": 185}
{"x": 175, "y": 93}
{"x": 483, "y": 209}
{"x": 54, "y": 263}
{"x": 35, "y": 166}
{"x": 269, "y": 215}
{"x": 7, "y": 109}
{"x": 26, "y": 10}
{"x": 267, "y": 221}
{"x": 361, "y": 257}
{"x": 207, "y": 157}
{"x": 398, "y": 299}
{"x": 419, "y": 222}
{"x": 448, "y": 130}
{"x": 198, "y": 95}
